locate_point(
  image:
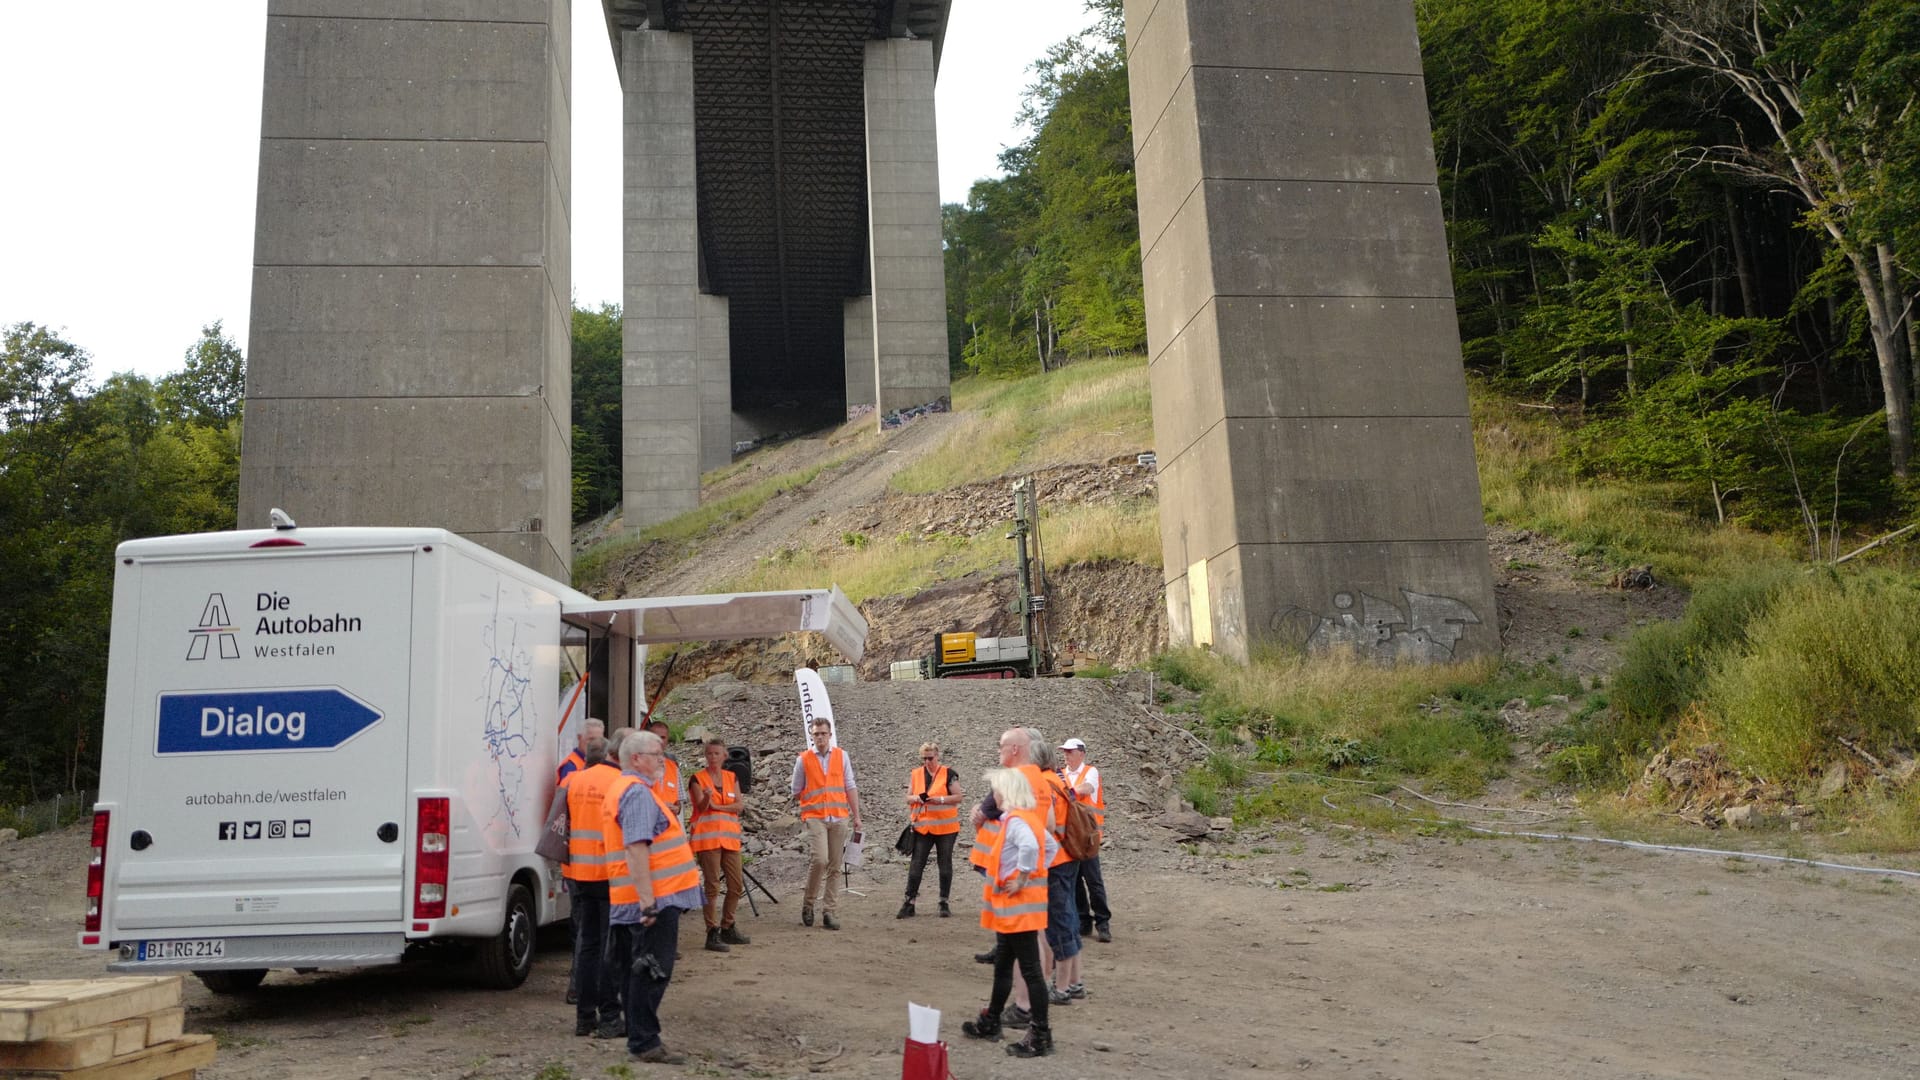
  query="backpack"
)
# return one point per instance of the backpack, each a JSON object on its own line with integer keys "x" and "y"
{"x": 1081, "y": 837}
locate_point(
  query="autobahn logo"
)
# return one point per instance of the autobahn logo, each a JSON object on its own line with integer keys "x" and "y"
{"x": 213, "y": 624}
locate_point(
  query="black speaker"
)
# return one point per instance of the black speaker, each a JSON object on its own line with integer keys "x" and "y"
{"x": 740, "y": 763}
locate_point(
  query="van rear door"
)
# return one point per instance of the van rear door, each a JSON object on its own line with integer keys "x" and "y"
{"x": 268, "y": 751}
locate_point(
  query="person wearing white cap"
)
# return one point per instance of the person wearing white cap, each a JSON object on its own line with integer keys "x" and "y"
{"x": 1090, "y": 896}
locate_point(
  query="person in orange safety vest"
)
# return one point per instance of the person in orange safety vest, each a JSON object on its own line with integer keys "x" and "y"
{"x": 933, "y": 807}
{"x": 824, "y": 785}
{"x": 1014, "y": 907}
{"x": 715, "y": 833}
{"x": 653, "y": 880}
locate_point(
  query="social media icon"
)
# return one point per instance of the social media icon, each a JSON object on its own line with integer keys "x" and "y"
{"x": 250, "y": 830}
{"x": 276, "y": 830}
{"x": 302, "y": 827}
{"x": 229, "y": 830}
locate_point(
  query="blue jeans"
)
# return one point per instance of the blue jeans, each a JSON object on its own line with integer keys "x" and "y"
{"x": 662, "y": 939}
{"x": 595, "y": 996}
{"x": 1063, "y": 923}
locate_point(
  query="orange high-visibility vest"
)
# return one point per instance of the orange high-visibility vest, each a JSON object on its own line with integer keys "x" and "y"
{"x": 670, "y": 785}
{"x": 933, "y": 820}
{"x": 825, "y": 792}
{"x": 586, "y": 840}
{"x": 670, "y": 864}
{"x": 984, "y": 838}
{"x": 1097, "y": 802}
{"x": 1049, "y": 801}
{"x": 717, "y": 828}
{"x": 569, "y": 765}
{"x": 1025, "y": 909}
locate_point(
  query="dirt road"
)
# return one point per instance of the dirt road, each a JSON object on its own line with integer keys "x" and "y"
{"x": 1313, "y": 950}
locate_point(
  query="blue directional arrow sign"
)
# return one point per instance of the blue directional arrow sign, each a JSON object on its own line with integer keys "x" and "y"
{"x": 251, "y": 721}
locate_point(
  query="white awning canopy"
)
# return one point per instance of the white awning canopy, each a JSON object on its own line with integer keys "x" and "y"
{"x": 655, "y": 620}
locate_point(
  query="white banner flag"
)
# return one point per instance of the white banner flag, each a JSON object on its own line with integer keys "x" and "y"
{"x": 814, "y": 706}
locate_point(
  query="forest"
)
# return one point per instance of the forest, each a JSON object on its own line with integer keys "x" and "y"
{"x": 1686, "y": 229}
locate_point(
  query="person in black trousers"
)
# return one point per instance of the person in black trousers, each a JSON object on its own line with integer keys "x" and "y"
{"x": 933, "y": 802}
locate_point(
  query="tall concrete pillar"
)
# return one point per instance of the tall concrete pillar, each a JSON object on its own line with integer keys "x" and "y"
{"x": 903, "y": 208}
{"x": 861, "y": 364}
{"x": 715, "y": 346}
{"x": 409, "y": 352}
{"x": 1317, "y": 482}
{"x": 660, "y": 398}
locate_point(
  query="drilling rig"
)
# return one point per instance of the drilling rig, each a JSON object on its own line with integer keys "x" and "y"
{"x": 966, "y": 655}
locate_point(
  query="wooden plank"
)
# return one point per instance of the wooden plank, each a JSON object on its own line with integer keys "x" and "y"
{"x": 74, "y": 1050}
{"x": 168, "y": 1059}
{"x": 166, "y": 1025}
{"x": 38, "y": 1011}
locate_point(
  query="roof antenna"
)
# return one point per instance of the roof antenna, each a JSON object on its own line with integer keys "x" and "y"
{"x": 280, "y": 519}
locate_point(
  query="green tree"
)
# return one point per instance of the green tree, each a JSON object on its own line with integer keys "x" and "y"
{"x": 211, "y": 388}
{"x": 596, "y": 411}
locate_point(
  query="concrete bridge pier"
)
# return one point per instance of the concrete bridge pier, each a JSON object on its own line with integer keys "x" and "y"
{"x": 409, "y": 346}
{"x": 1317, "y": 480}
{"x": 661, "y": 380}
{"x": 909, "y": 299}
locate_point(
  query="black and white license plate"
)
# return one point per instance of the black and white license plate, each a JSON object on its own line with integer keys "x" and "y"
{"x": 184, "y": 949}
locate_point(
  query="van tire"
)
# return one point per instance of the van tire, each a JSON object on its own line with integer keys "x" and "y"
{"x": 232, "y": 981}
{"x": 507, "y": 958}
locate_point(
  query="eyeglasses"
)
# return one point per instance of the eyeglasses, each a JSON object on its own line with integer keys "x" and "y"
{"x": 927, "y": 757}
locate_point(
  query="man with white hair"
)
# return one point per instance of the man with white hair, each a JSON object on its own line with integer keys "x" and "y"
{"x": 576, "y": 759}
{"x": 655, "y": 879}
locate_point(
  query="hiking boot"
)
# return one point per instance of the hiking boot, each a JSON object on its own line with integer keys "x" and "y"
{"x": 806, "y": 916}
{"x": 1059, "y": 997}
{"x": 573, "y": 996}
{"x": 1038, "y": 1043}
{"x": 1101, "y": 933}
{"x": 732, "y": 936}
{"x": 1078, "y": 991}
{"x": 583, "y": 1027}
{"x": 714, "y": 944}
{"x": 611, "y": 1029}
{"x": 945, "y": 910}
{"x": 828, "y": 922}
{"x": 660, "y": 1055}
{"x": 1016, "y": 1017}
{"x": 906, "y": 911}
{"x": 984, "y": 1026}
{"x": 987, "y": 957}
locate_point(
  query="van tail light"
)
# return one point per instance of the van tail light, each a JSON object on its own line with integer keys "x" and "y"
{"x": 97, "y": 870}
{"x": 430, "y": 861}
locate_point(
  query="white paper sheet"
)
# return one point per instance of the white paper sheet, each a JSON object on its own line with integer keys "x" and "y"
{"x": 923, "y": 1023}
{"x": 852, "y": 854}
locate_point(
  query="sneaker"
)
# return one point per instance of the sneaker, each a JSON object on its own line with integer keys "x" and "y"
{"x": 1101, "y": 933}
{"x": 611, "y": 1029}
{"x": 660, "y": 1055}
{"x": 583, "y": 1027}
{"x": 984, "y": 1026}
{"x": 806, "y": 916}
{"x": 944, "y": 910}
{"x": 1059, "y": 997}
{"x": 732, "y": 936}
{"x": 987, "y": 957}
{"x": 1078, "y": 991}
{"x": 1038, "y": 1043}
{"x": 573, "y": 996}
{"x": 906, "y": 911}
{"x": 714, "y": 944}
{"x": 828, "y": 922}
{"x": 1016, "y": 1017}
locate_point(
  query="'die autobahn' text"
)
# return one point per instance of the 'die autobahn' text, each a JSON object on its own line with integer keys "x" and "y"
{"x": 274, "y": 623}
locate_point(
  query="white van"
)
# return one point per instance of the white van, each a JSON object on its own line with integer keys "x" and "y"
{"x": 323, "y": 746}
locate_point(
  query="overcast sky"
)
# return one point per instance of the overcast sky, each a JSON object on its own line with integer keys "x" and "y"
{"x": 132, "y": 138}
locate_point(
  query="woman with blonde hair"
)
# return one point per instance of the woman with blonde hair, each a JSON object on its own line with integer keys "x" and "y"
{"x": 933, "y": 804}
{"x": 1014, "y": 907}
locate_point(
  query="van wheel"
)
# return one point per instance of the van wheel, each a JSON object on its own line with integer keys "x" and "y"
{"x": 237, "y": 981}
{"x": 507, "y": 958}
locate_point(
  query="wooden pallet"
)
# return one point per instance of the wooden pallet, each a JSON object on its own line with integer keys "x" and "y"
{"x": 98, "y": 1029}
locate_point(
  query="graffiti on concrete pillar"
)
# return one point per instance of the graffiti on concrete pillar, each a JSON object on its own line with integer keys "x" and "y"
{"x": 1425, "y": 630}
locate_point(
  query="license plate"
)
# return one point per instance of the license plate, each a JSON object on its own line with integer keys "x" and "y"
{"x": 184, "y": 949}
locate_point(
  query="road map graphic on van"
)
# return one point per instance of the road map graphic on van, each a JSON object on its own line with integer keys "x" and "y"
{"x": 214, "y": 623}
{"x": 249, "y": 721}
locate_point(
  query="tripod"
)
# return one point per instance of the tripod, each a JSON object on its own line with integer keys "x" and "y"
{"x": 755, "y": 883}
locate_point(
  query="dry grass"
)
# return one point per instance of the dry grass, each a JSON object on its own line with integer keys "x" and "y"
{"x": 1126, "y": 531}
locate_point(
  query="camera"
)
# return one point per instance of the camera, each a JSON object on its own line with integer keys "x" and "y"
{"x": 644, "y": 964}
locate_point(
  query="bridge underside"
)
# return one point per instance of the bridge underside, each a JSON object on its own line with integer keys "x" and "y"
{"x": 811, "y": 138}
